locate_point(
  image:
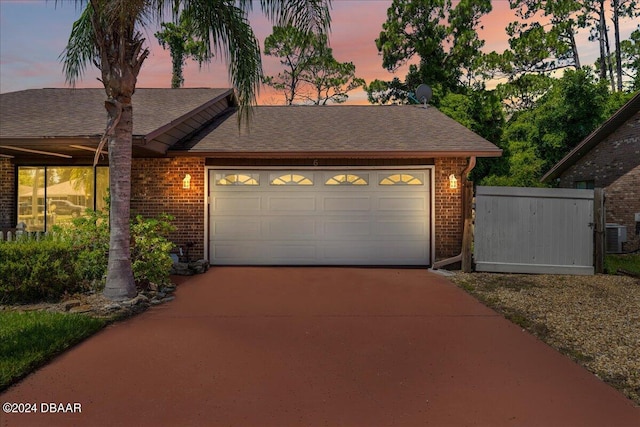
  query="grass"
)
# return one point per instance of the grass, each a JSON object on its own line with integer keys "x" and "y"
{"x": 30, "y": 339}
{"x": 628, "y": 262}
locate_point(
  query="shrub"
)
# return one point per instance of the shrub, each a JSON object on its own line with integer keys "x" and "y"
{"x": 150, "y": 257}
{"x": 150, "y": 247}
{"x": 37, "y": 270}
{"x": 89, "y": 239}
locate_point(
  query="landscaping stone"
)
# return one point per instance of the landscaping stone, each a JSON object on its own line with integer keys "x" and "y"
{"x": 95, "y": 304}
{"x": 191, "y": 268}
{"x": 68, "y": 305}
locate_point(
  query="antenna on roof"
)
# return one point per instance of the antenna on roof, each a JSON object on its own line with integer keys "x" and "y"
{"x": 424, "y": 94}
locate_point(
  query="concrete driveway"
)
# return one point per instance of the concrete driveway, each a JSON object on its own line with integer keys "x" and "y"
{"x": 318, "y": 347}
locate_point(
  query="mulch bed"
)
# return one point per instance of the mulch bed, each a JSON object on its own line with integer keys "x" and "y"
{"x": 595, "y": 320}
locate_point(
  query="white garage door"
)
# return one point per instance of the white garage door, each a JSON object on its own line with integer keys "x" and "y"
{"x": 329, "y": 217}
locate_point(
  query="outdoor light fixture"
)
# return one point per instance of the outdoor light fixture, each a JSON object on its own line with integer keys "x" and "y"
{"x": 186, "y": 182}
{"x": 453, "y": 182}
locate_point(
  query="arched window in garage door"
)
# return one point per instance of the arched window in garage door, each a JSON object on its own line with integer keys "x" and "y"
{"x": 237, "y": 179}
{"x": 348, "y": 179}
{"x": 290, "y": 179}
{"x": 401, "y": 179}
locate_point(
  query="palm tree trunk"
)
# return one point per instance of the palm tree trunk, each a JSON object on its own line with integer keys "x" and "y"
{"x": 120, "y": 284}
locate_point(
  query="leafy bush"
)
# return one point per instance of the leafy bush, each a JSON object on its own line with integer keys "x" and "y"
{"x": 89, "y": 237}
{"x": 150, "y": 257}
{"x": 37, "y": 270}
{"x": 150, "y": 247}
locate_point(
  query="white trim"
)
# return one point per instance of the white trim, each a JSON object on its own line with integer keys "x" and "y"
{"x": 29, "y": 150}
{"x": 323, "y": 168}
{"x": 205, "y": 236}
{"x": 84, "y": 147}
{"x": 432, "y": 234}
{"x": 430, "y": 168}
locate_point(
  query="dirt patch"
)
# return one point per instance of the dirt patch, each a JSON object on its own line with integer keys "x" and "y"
{"x": 592, "y": 319}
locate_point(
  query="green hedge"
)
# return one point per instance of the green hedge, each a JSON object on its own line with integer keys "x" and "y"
{"x": 37, "y": 270}
{"x": 75, "y": 259}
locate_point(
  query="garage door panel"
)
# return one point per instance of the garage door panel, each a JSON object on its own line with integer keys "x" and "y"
{"x": 293, "y": 253}
{"x": 290, "y": 204}
{"x": 290, "y": 228}
{"x": 347, "y": 204}
{"x": 412, "y": 204}
{"x": 237, "y": 204}
{"x": 234, "y": 252}
{"x": 346, "y": 229}
{"x": 404, "y": 229}
{"x": 236, "y": 227}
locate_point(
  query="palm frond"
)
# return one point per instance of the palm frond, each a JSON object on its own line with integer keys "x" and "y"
{"x": 310, "y": 16}
{"x": 81, "y": 49}
{"x": 226, "y": 31}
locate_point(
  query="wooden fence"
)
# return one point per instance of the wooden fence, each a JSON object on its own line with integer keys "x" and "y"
{"x": 534, "y": 230}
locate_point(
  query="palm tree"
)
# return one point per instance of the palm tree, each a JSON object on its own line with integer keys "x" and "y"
{"x": 109, "y": 35}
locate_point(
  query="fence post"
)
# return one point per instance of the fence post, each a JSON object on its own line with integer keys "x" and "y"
{"x": 21, "y": 228}
{"x": 599, "y": 219}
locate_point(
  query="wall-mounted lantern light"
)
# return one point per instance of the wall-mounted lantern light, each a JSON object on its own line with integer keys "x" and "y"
{"x": 186, "y": 182}
{"x": 453, "y": 182}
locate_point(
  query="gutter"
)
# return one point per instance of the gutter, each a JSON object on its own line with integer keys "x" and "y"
{"x": 458, "y": 258}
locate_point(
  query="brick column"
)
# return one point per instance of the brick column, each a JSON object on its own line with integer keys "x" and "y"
{"x": 7, "y": 193}
{"x": 448, "y": 207}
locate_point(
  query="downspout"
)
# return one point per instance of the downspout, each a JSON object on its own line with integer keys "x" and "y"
{"x": 465, "y": 173}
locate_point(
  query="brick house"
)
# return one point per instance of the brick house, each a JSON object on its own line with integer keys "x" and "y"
{"x": 351, "y": 185}
{"x": 609, "y": 158}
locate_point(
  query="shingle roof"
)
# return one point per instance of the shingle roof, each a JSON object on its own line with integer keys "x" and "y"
{"x": 614, "y": 122}
{"x": 341, "y": 130}
{"x": 37, "y": 113}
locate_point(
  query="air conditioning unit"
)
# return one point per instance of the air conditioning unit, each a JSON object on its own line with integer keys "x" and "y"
{"x": 616, "y": 236}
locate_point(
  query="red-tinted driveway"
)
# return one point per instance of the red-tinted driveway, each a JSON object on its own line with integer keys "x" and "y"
{"x": 319, "y": 347}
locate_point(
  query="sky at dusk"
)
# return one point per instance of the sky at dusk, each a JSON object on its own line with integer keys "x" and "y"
{"x": 33, "y": 33}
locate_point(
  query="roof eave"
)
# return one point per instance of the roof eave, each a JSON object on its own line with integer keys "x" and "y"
{"x": 335, "y": 154}
{"x": 176, "y": 122}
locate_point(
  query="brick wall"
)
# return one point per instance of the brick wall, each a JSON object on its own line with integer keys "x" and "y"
{"x": 614, "y": 164}
{"x": 156, "y": 187}
{"x": 7, "y": 196}
{"x": 448, "y": 207}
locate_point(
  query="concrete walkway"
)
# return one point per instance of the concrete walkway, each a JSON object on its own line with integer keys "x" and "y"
{"x": 318, "y": 347}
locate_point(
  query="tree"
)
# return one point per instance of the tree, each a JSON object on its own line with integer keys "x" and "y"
{"x": 630, "y": 58}
{"x": 109, "y": 34}
{"x": 563, "y": 23}
{"x": 329, "y": 79}
{"x": 538, "y": 138}
{"x": 311, "y": 73}
{"x": 444, "y": 38}
{"x": 295, "y": 50}
{"x": 622, "y": 8}
{"x": 182, "y": 45}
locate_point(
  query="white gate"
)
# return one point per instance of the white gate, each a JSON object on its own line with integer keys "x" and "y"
{"x": 534, "y": 230}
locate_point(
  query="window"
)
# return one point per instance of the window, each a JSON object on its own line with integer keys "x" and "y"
{"x": 237, "y": 179}
{"x": 50, "y": 196}
{"x": 347, "y": 179}
{"x": 585, "y": 185}
{"x": 401, "y": 179}
{"x": 290, "y": 179}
